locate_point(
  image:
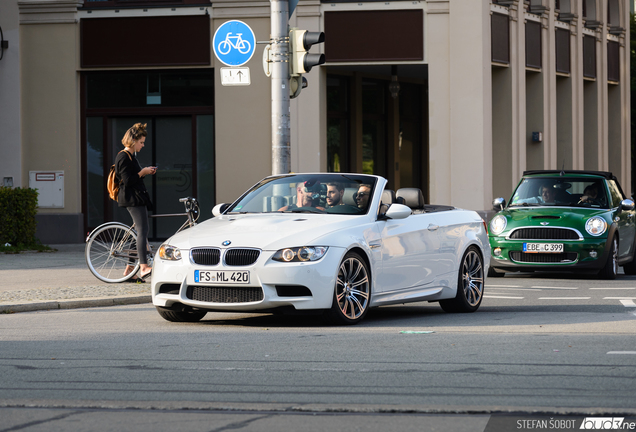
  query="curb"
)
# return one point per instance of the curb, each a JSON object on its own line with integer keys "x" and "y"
{"x": 74, "y": 304}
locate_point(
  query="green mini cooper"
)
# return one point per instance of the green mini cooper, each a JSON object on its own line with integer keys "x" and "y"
{"x": 564, "y": 221}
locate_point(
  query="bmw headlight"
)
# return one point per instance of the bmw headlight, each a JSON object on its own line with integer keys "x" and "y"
{"x": 300, "y": 254}
{"x": 170, "y": 253}
{"x": 498, "y": 224}
{"x": 595, "y": 226}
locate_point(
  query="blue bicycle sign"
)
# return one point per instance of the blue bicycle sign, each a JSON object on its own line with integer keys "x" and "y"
{"x": 234, "y": 43}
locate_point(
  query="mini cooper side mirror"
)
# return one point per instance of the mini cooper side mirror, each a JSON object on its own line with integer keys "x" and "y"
{"x": 627, "y": 205}
{"x": 398, "y": 211}
{"x": 219, "y": 209}
{"x": 498, "y": 204}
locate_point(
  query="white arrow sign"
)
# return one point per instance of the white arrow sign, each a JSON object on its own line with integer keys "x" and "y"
{"x": 235, "y": 76}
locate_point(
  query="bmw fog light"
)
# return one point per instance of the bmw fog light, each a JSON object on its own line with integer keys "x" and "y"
{"x": 170, "y": 253}
{"x": 497, "y": 251}
{"x": 593, "y": 254}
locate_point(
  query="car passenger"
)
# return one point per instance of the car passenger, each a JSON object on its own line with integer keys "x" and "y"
{"x": 362, "y": 197}
{"x": 335, "y": 191}
{"x": 589, "y": 194}
{"x": 547, "y": 195}
{"x": 305, "y": 197}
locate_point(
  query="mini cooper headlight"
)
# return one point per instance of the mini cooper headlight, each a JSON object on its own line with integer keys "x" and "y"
{"x": 595, "y": 226}
{"x": 171, "y": 253}
{"x": 300, "y": 254}
{"x": 498, "y": 224}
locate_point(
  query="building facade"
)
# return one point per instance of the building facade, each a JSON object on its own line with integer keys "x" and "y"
{"x": 456, "y": 97}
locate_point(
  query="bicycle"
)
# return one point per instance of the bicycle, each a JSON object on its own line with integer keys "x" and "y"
{"x": 241, "y": 45}
{"x": 112, "y": 246}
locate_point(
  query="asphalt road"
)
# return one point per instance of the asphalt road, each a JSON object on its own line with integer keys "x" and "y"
{"x": 539, "y": 345}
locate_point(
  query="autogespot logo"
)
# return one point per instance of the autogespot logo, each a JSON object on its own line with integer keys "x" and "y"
{"x": 607, "y": 423}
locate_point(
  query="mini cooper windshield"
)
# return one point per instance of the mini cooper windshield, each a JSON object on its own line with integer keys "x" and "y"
{"x": 558, "y": 191}
{"x": 309, "y": 193}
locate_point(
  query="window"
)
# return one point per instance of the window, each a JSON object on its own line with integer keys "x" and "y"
{"x": 562, "y": 51}
{"x": 533, "y": 44}
{"x": 615, "y": 192}
{"x": 589, "y": 56}
{"x": 613, "y": 61}
{"x": 500, "y": 38}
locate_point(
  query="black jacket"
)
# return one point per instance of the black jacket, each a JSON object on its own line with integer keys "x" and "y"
{"x": 132, "y": 190}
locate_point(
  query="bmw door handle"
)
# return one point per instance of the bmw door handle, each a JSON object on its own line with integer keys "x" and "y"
{"x": 432, "y": 227}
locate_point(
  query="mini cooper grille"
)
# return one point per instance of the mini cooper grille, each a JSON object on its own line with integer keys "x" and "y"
{"x": 522, "y": 257}
{"x": 225, "y": 294}
{"x": 209, "y": 256}
{"x": 241, "y": 257}
{"x": 544, "y": 234}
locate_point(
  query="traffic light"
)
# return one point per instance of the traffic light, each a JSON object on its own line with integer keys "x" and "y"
{"x": 300, "y": 42}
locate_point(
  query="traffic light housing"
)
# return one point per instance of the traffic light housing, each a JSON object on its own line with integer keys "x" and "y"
{"x": 300, "y": 42}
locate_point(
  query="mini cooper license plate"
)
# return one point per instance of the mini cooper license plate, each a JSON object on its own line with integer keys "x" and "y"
{"x": 543, "y": 247}
{"x": 222, "y": 277}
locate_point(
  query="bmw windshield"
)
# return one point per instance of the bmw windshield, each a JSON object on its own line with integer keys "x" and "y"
{"x": 309, "y": 193}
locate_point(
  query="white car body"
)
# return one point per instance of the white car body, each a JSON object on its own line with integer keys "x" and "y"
{"x": 412, "y": 258}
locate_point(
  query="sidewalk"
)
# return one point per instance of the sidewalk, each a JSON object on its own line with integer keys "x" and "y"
{"x": 33, "y": 281}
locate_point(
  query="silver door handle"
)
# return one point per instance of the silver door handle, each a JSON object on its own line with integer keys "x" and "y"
{"x": 432, "y": 227}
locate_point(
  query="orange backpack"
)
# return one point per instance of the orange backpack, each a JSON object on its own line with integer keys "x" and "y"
{"x": 112, "y": 182}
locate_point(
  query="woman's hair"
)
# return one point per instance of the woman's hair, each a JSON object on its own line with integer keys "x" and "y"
{"x": 137, "y": 131}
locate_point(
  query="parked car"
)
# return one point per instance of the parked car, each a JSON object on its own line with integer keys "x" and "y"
{"x": 564, "y": 221}
{"x": 338, "y": 244}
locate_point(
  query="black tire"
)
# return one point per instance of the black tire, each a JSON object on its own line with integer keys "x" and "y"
{"x": 470, "y": 284}
{"x": 179, "y": 316}
{"x": 630, "y": 267}
{"x": 610, "y": 270}
{"x": 494, "y": 273}
{"x": 109, "y": 249}
{"x": 352, "y": 292}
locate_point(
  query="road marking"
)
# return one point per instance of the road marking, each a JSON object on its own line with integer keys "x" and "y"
{"x": 502, "y": 297}
{"x": 558, "y": 288}
{"x": 564, "y": 298}
{"x": 514, "y": 289}
{"x": 612, "y": 288}
{"x": 619, "y": 298}
{"x": 628, "y": 303}
{"x": 507, "y": 286}
{"x": 622, "y": 352}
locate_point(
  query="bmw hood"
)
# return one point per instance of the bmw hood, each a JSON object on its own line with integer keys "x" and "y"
{"x": 263, "y": 231}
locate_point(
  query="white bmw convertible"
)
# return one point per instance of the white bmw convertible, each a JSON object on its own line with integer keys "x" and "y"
{"x": 338, "y": 244}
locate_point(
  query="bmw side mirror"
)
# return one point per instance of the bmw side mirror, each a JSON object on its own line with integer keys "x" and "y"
{"x": 398, "y": 211}
{"x": 627, "y": 205}
{"x": 498, "y": 204}
{"x": 219, "y": 209}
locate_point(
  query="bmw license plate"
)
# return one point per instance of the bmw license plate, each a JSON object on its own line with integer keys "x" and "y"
{"x": 543, "y": 247}
{"x": 222, "y": 277}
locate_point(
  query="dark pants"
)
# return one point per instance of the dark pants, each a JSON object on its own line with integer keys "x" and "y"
{"x": 140, "y": 219}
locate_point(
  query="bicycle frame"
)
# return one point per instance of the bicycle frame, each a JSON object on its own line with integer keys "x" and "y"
{"x": 109, "y": 247}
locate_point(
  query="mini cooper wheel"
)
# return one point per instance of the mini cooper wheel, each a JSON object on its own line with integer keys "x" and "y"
{"x": 181, "y": 316}
{"x": 470, "y": 284}
{"x": 630, "y": 267}
{"x": 352, "y": 291}
{"x": 610, "y": 270}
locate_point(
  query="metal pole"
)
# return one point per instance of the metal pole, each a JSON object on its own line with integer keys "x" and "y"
{"x": 281, "y": 163}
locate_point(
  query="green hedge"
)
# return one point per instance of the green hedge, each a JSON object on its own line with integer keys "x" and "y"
{"x": 18, "y": 208}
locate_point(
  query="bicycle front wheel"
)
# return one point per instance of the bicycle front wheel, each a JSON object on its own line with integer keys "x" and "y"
{"x": 109, "y": 250}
